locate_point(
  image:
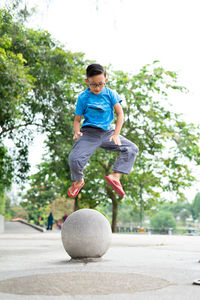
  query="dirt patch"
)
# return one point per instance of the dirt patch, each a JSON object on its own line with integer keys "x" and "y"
{"x": 74, "y": 283}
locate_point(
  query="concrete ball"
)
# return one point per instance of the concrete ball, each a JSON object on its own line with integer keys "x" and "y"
{"x": 86, "y": 233}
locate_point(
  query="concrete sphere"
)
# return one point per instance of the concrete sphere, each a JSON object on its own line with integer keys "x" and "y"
{"x": 86, "y": 233}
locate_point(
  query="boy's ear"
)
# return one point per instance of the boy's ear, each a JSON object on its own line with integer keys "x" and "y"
{"x": 106, "y": 80}
{"x": 86, "y": 80}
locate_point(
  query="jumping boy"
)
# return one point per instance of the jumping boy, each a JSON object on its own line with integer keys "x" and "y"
{"x": 96, "y": 105}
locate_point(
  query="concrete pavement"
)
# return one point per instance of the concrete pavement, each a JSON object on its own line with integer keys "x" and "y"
{"x": 34, "y": 265}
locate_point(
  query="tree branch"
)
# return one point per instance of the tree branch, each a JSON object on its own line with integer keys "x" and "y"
{"x": 4, "y": 130}
{"x": 106, "y": 168}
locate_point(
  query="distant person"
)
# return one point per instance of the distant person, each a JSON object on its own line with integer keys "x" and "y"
{"x": 50, "y": 221}
{"x": 97, "y": 105}
{"x": 60, "y": 224}
{"x": 65, "y": 217}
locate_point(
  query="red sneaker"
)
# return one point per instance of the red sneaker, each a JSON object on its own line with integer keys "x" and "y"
{"x": 116, "y": 185}
{"x": 74, "y": 190}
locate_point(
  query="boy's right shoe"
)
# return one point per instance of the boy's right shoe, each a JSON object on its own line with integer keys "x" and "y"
{"x": 74, "y": 190}
{"x": 116, "y": 185}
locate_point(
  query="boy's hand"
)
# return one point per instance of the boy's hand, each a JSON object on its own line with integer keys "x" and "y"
{"x": 77, "y": 135}
{"x": 115, "y": 138}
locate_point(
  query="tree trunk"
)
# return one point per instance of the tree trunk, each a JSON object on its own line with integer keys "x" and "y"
{"x": 114, "y": 215}
{"x": 114, "y": 207}
{"x": 141, "y": 207}
{"x": 2, "y": 200}
{"x": 76, "y": 206}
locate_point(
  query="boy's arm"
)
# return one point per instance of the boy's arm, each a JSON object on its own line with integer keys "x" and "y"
{"x": 120, "y": 119}
{"x": 77, "y": 133}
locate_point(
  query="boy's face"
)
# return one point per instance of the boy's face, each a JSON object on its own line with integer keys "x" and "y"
{"x": 96, "y": 83}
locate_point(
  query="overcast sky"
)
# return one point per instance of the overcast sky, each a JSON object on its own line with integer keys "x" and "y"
{"x": 129, "y": 34}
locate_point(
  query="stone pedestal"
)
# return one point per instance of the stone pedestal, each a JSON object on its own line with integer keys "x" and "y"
{"x": 86, "y": 233}
{"x": 1, "y": 224}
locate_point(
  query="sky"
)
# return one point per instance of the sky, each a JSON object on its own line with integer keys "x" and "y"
{"x": 129, "y": 34}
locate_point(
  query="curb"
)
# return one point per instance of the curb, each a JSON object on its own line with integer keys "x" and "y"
{"x": 41, "y": 229}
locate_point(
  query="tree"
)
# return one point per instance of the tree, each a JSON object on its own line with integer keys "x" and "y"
{"x": 167, "y": 144}
{"x": 181, "y": 210}
{"x": 15, "y": 84}
{"x": 44, "y": 195}
{"x": 39, "y": 196}
{"x": 15, "y": 87}
{"x": 178, "y": 209}
{"x": 60, "y": 207}
{"x": 163, "y": 221}
{"x": 53, "y": 77}
{"x": 128, "y": 215}
{"x": 6, "y": 171}
{"x": 196, "y": 206}
{"x": 38, "y": 82}
{"x": 14, "y": 210}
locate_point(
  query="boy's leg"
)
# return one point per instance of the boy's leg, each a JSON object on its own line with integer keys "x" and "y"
{"x": 83, "y": 148}
{"x": 123, "y": 163}
{"x": 125, "y": 160}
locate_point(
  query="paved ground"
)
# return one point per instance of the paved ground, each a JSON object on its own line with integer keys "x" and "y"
{"x": 34, "y": 265}
{"x": 18, "y": 227}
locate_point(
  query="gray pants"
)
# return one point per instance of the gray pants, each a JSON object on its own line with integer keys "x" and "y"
{"x": 94, "y": 138}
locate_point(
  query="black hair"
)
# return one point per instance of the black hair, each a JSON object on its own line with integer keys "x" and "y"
{"x": 95, "y": 69}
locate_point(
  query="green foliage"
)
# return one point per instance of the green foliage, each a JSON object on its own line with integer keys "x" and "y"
{"x": 39, "y": 79}
{"x": 128, "y": 215}
{"x": 13, "y": 211}
{"x": 44, "y": 197}
{"x": 166, "y": 143}
{"x": 180, "y": 210}
{"x": 39, "y": 82}
{"x": 6, "y": 167}
{"x": 15, "y": 85}
{"x": 2, "y": 200}
{"x": 6, "y": 170}
{"x": 196, "y": 206}
{"x": 59, "y": 208}
{"x": 177, "y": 208}
{"x": 38, "y": 197}
{"x": 163, "y": 221}
{"x": 162, "y": 164}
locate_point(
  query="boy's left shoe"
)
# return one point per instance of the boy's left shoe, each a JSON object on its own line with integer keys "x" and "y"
{"x": 116, "y": 185}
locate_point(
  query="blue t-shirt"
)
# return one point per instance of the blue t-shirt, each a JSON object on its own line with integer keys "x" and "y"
{"x": 97, "y": 109}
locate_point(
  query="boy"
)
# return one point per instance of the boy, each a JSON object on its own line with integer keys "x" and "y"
{"x": 96, "y": 105}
